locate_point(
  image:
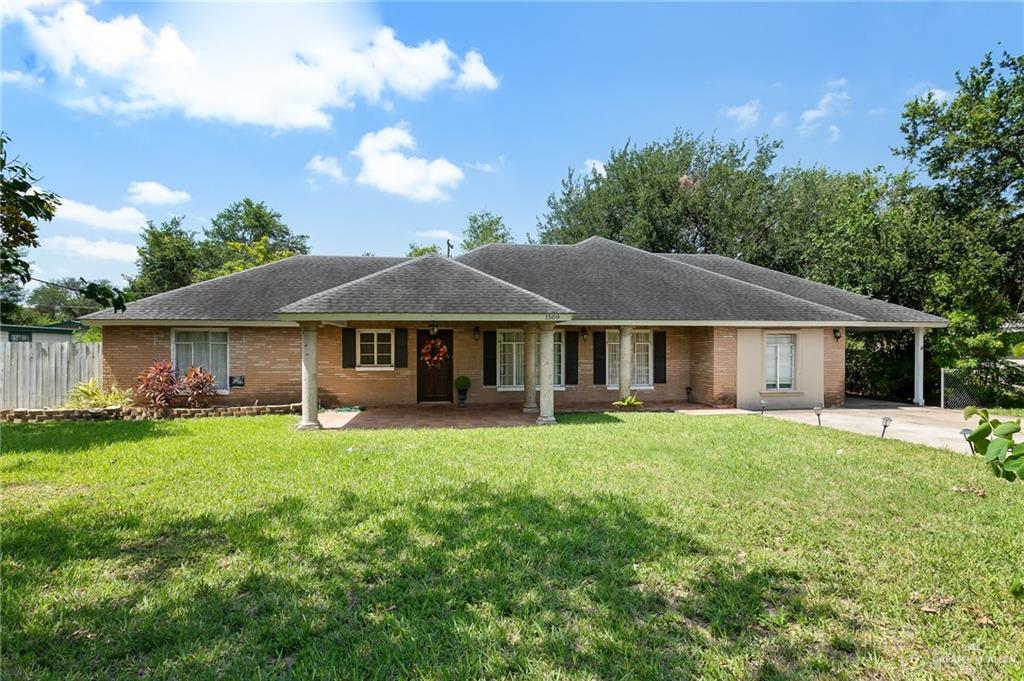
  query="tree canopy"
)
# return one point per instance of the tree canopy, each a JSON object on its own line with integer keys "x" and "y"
{"x": 485, "y": 227}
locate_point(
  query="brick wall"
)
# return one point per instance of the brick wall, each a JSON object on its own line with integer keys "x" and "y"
{"x": 713, "y": 365}
{"x": 835, "y": 369}
{"x": 269, "y": 358}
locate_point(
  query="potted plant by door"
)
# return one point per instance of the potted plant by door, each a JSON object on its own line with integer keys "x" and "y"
{"x": 462, "y": 384}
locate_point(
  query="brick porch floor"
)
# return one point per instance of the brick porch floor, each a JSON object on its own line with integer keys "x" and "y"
{"x": 478, "y": 416}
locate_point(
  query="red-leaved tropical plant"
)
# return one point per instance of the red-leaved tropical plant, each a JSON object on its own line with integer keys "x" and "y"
{"x": 157, "y": 385}
{"x": 199, "y": 385}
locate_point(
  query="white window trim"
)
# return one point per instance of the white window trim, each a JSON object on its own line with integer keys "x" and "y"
{"x": 558, "y": 387}
{"x": 359, "y": 355}
{"x": 201, "y": 329}
{"x": 764, "y": 367}
{"x": 609, "y": 384}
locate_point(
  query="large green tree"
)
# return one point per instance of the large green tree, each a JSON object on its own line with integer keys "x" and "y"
{"x": 485, "y": 227}
{"x": 248, "y": 222}
{"x": 60, "y": 300}
{"x": 972, "y": 147}
{"x": 169, "y": 257}
{"x": 416, "y": 250}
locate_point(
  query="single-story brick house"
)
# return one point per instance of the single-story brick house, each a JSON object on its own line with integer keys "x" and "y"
{"x": 539, "y": 325}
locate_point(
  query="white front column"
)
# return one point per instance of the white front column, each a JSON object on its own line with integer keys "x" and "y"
{"x": 530, "y": 370}
{"x": 547, "y": 374}
{"x": 919, "y": 366}
{"x": 310, "y": 399}
{"x": 625, "y": 361}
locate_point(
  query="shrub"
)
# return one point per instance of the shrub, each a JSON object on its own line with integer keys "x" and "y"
{"x": 90, "y": 395}
{"x": 994, "y": 440}
{"x": 629, "y": 401}
{"x": 157, "y": 385}
{"x": 198, "y": 385}
{"x": 463, "y": 383}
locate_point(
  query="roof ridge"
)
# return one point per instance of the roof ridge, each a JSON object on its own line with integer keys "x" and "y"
{"x": 511, "y": 285}
{"x": 348, "y": 283}
{"x": 739, "y": 281}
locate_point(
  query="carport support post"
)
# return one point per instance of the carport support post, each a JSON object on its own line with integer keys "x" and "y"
{"x": 625, "y": 361}
{"x": 310, "y": 400}
{"x": 919, "y": 365}
{"x": 530, "y": 370}
{"x": 547, "y": 374}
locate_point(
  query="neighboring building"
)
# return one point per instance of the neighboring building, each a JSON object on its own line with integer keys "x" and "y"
{"x": 599, "y": 319}
{"x": 20, "y": 333}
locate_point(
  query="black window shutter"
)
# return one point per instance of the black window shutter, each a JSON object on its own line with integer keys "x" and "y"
{"x": 659, "y": 357}
{"x": 572, "y": 356}
{"x": 599, "y": 365}
{"x": 348, "y": 348}
{"x": 401, "y": 348}
{"x": 490, "y": 358}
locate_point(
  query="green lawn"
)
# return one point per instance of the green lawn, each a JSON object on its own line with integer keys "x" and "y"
{"x": 608, "y": 546}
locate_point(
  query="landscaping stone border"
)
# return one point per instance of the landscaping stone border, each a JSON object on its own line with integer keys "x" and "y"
{"x": 141, "y": 413}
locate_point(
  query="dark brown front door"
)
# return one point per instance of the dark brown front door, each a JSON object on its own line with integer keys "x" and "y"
{"x": 433, "y": 384}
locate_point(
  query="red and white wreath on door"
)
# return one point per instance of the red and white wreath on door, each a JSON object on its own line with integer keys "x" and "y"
{"x": 434, "y": 353}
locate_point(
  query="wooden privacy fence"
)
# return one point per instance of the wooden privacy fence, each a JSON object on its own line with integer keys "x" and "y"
{"x": 36, "y": 375}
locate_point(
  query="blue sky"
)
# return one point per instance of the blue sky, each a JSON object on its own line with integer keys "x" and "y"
{"x": 370, "y": 127}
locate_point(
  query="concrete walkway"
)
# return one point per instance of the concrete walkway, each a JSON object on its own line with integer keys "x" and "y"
{"x": 924, "y": 425}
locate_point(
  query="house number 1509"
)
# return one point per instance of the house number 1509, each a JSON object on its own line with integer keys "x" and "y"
{"x": 552, "y": 316}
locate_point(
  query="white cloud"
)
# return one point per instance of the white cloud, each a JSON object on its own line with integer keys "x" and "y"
{"x": 284, "y": 66}
{"x": 832, "y": 101}
{"x": 594, "y": 166}
{"x": 833, "y": 133}
{"x": 125, "y": 219}
{"x": 436, "y": 234}
{"x": 21, "y": 78}
{"x": 746, "y": 115}
{"x": 386, "y": 168}
{"x": 77, "y": 247}
{"x": 474, "y": 74}
{"x": 482, "y": 167}
{"x": 327, "y": 166}
{"x": 148, "y": 191}
{"x": 779, "y": 119}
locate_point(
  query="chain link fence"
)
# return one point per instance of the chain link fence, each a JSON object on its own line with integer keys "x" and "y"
{"x": 983, "y": 387}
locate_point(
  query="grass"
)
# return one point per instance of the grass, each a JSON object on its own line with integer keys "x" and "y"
{"x": 608, "y": 546}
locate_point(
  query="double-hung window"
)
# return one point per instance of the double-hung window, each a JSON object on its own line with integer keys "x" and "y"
{"x": 779, "y": 361}
{"x": 643, "y": 359}
{"x": 512, "y": 360}
{"x": 206, "y": 349}
{"x": 376, "y": 349}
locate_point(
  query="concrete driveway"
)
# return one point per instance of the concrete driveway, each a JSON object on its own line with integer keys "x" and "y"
{"x": 924, "y": 425}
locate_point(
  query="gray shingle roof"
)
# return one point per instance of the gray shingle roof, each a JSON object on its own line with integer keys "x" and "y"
{"x": 602, "y": 279}
{"x": 871, "y": 309}
{"x": 595, "y": 279}
{"x": 427, "y": 285}
{"x": 254, "y": 294}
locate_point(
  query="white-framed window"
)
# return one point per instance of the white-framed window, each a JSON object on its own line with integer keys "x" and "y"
{"x": 375, "y": 349}
{"x": 512, "y": 360}
{"x": 206, "y": 348}
{"x": 780, "y": 361}
{"x": 643, "y": 359}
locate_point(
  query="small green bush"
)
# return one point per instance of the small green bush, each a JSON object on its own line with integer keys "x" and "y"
{"x": 629, "y": 401}
{"x": 463, "y": 383}
{"x": 91, "y": 395}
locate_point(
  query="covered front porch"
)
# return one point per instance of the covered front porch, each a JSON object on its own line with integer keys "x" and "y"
{"x": 517, "y": 370}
